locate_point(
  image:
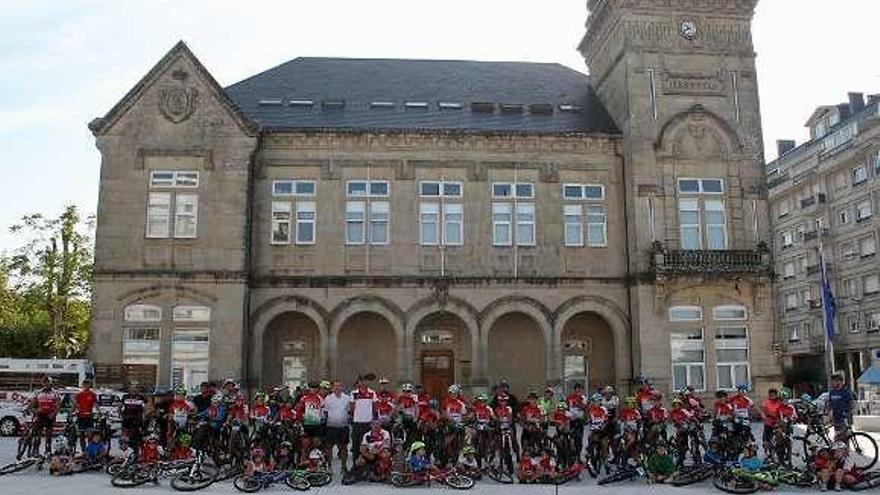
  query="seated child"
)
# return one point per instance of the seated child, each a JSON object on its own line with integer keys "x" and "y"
{"x": 661, "y": 465}
{"x": 96, "y": 449}
{"x": 62, "y": 458}
{"x": 418, "y": 458}
{"x": 467, "y": 462}
{"x": 182, "y": 450}
{"x": 750, "y": 460}
{"x": 152, "y": 452}
{"x": 834, "y": 464}
{"x": 257, "y": 464}
{"x": 713, "y": 455}
{"x": 527, "y": 470}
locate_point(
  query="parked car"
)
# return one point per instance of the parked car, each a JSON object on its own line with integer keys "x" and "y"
{"x": 14, "y": 415}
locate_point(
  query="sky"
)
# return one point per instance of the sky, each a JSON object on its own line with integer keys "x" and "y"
{"x": 63, "y": 63}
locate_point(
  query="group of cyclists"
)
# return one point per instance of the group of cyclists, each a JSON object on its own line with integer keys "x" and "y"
{"x": 378, "y": 432}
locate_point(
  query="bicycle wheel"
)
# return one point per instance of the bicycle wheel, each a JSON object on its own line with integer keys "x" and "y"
{"x": 319, "y": 478}
{"x": 130, "y": 478}
{"x": 186, "y": 482}
{"x": 810, "y": 443}
{"x": 735, "y": 484}
{"x": 401, "y": 480}
{"x": 865, "y": 449}
{"x": 500, "y": 476}
{"x": 297, "y": 481}
{"x": 867, "y": 481}
{"x": 17, "y": 466}
{"x": 795, "y": 477}
{"x": 622, "y": 474}
{"x": 689, "y": 475}
{"x": 459, "y": 482}
{"x": 247, "y": 484}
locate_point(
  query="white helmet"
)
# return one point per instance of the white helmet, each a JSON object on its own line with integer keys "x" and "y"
{"x": 455, "y": 388}
{"x": 406, "y": 388}
{"x": 59, "y": 443}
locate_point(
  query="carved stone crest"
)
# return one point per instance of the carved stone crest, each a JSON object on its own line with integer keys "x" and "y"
{"x": 177, "y": 104}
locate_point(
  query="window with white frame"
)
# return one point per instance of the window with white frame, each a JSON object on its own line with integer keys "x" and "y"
{"x": 843, "y": 216}
{"x": 852, "y": 323}
{"x": 794, "y": 332}
{"x": 685, "y": 313}
{"x": 188, "y": 313}
{"x": 305, "y": 222}
{"x": 733, "y": 312}
{"x": 513, "y": 221}
{"x": 142, "y": 313}
{"x": 732, "y": 356}
{"x": 573, "y": 230}
{"x": 716, "y": 224}
{"x": 702, "y": 213}
{"x": 783, "y": 208}
{"x": 787, "y": 239}
{"x": 788, "y": 270}
{"x": 863, "y": 210}
{"x": 688, "y": 359}
{"x": 574, "y": 192}
{"x": 872, "y": 321}
{"x": 293, "y": 212}
{"x": 868, "y": 246}
{"x": 501, "y": 224}
{"x": 859, "y": 174}
{"x": 281, "y": 215}
{"x": 596, "y": 226}
{"x": 141, "y": 345}
{"x": 368, "y": 188}
{"x": 172, "y": 213}
{"x": 689, "y": 219}
{"x": 700, "y": 186}
{"x": 441, "y": 221}
{"x": 380, "y": 222}
{"x": 190, "y": 351}
{"x": 355, "y": 222}
{"x": 871, "y": 284}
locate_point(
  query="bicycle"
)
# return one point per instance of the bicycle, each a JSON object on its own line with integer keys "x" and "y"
{"x": 197, "y": 477}
{"x": 501, "y": 468}
{"x": 816, "y": 436}
{"x": 449, "y": 477}
{"x": 259, "y": 481}
{"x": 130, "y": 476}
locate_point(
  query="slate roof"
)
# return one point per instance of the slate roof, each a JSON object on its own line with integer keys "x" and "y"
{"x": 360, "y": 82}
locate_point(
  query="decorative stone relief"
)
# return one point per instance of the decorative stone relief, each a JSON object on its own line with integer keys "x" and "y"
{"x": 178, "y": 103}
{"x": 693, "y": 85}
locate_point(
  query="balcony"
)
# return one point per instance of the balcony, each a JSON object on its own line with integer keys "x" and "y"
{"x": 713, "y": 263}
{"x": 812, "y": 200}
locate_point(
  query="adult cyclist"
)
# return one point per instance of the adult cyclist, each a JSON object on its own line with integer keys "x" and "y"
{"x": 45, "y": 406}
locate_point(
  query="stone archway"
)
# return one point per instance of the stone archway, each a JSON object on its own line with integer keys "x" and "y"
{"x": 366, "y": 343}
{"x": 444, "y": 351}
{"x": 587, "y": 352}
{"x": 292, "y": 351}
{"x": 517, "y": 351}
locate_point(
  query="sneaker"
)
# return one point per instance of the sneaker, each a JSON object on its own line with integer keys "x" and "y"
{"x": 823, "y": 487}
{"x": 838, "y": 488}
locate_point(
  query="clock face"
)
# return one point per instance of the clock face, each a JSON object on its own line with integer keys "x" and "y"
{"x": 689, "y": 29}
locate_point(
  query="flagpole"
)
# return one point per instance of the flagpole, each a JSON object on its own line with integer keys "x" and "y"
{"x": 829, "y": 344}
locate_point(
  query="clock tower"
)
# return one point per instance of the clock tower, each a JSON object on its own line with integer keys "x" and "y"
{"x": 678, "y": 77}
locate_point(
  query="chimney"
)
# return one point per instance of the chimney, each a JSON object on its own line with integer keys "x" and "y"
{"x": 783, "y": 146}
{"x": 856, "y": 102}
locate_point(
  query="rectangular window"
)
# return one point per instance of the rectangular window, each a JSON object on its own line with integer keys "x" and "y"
{"x": 305, "y": 188}
{"x": 453, "y": 224}
{"x": 522, "y": 190}
{"x": 689, "y": 213}
{"x": 850, "y": 288}
{"x": 701, "y": 186}
{"x": 867, "y": 246}
{"x": 729, "y": 313}
{"x": 596, "y": 230}
{"x": 158, "y": 215}
{"x": 864, "y": 210}
{"x": 501, "y": 224}
{"x": 688, "y": 359}
{"x": 572, "y": 191}
{"x": 355, "y": 222}
{"x": 716, "y": 224}
{"x": 583, "y": 191}
{"x": 142, "y": 312}
{"x": 574, "y": 227}
{"x": 436, "y": 189}
{"x": 871, "y": 284}
{"x": 859, "y": 175}
{"x": 732, "y": 356}
{"x": 788, "y": 270}
{"x": 872, "y": 321}
{"x": 379, "y": 188}
{"x": 791, "y": 301}
{"x": 357, "y": 188}
{"x": 502, "y": 190}
{"x": 787, "y": 239}
{"x": 375, "y": 188}
{"x": 843, "y": 216}
{"x": 186, "y": 210}
{"x": 429, "y": 189}
{"x": 191, "y": 313}
{"x": 525, "y": 224}
{"x": 380, "y": 222}
{"x": 429, "y": 224}
{"x": 452, "y": 189}
{"x": 305, "y": 222}
{"x": 140, "y": 345}
{"x": 794, "y": 332}
{"x": 807, "y": 328}
{"x": 685, "y": 313}
{"x": 174, "y": 178}
{"x": 281, "y": 212}
{"x": 782, "y": 208}
{"x": 852, "y": 322}
{"x": 189, "y": 357}
{"x": 293, "y": 188}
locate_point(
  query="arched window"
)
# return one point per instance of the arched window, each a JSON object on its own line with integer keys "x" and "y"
{"x": 731, "y": 312}
{"x": 191, "y": 313}
{"x": 142, "y": 313}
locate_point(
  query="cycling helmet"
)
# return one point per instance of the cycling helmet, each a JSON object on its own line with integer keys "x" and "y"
{"x": 217, "y": 398}
{"x": 481, "y": 398}
{"x": 838, "y": 446}
{"x": 468, "y": 450}
{"x": 326, "y": 385}
{"x": 677, "y": 401}
{"x": 416, "y": 446}
{"x": 316, "y": 455}
{"x": 261, "y": 396}
{"x": 742, "y": 388}
{"x": 59, "y": 443}
{"x": 152, "y": 437}
{"x": 562, "y": 405}
{"x": 286, "y": 445}
{"x": 630, "y": 401}
{"x": 503, "y": 398}
{"x": 533, "y": 395}
{"x": 229, "y": 381}
{"x": 597, "y": 397}
{"x": 257, "y": 452}
{"x": 184, "y": 439}
{"x": 406, "y": 388}
{"x": 180, "y": 391}
{"x": 807, "y": 398}
{"x": 608, "y": 389}
{"x": 785, "y": 394}
{"x": 454, "y": 389}
{"x": 384, "y": 381}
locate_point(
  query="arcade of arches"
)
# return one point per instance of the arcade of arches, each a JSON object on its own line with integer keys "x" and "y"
{"x": 440, "y": 349}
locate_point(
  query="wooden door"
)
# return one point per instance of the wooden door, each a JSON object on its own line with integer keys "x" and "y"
{"x": 438, "y": 371}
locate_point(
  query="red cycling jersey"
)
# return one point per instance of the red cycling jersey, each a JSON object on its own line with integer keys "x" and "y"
{"x": 384, "y": 409}
{"x": 261, "y": 412}
{"x": 85, "y": 403}
{"x": 504, "y": 413}
{"x": 429, "y": 416}
{"x": 629, "y": 415}
{"x": 657, "y": 414}
{"x": 408, "y": 404}
{"x": 577, "y": 404}
{"x": 723, "y": 410}
{"x": 561, "y": 418}
{"x": 455, "y": 408}
{"x": 286, "y": 412}
{"x": 647, "y": 398}
{"x": 693, "y": 403}
{"x": 742, "y": 405}
{"x": 483, "y": 413}
{"x": 531, "y": 412}
{"x": 47, "y": 402}
{"x": 680, "y": 416}
{"x": 598, "y": 417}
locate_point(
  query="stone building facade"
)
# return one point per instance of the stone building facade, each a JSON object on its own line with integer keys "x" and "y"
{"x": 443, "y": 221}
{"x": 823, "y": 197}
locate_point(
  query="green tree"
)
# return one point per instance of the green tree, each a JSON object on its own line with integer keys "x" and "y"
{"x": 52, "y": 274}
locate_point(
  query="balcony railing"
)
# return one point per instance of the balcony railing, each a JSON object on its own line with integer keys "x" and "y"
{"x": 712, "y": 262}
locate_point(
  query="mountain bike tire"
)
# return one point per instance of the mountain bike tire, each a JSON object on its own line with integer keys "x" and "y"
{"x": 319, "y": 478}
{"x": 865, "y": 447}
{"x": 619, "y": 475}
{"x": 297, "y": 481}
{"x": 130, "y": 478}
{"x": 186, "y": 482}
{"x": 735, "y": 485}
{"x": 459, "y": 482}
{"x": 16, "y": 466}
{"x": 500, "y": 476}
{"x": 689, "y": 475}
{"x": 867, "y": 481}
{"x": 247, "y": 484}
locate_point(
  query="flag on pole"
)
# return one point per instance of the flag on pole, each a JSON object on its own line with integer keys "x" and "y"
{"x": 829, "y": 306}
